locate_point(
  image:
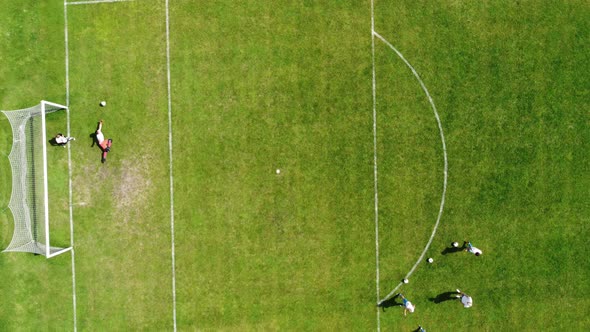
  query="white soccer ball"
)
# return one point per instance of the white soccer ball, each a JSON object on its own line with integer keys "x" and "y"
{"x": 278, "y": 171}
{"x": 103, "y": 103}
{"x": 406, "y": 281}
{"x": 455, "y": 244}
{"x": 430, "y": 260}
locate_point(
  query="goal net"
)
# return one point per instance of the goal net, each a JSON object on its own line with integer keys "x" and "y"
{"x": 29, "y": 201}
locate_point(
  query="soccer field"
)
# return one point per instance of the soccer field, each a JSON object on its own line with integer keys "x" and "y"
{"x": 284, "y": 165}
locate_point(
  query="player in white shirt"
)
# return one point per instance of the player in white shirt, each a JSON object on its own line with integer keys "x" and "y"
{"x": 408, "y": 306}
{"x": 100, "y": 136}
{"x": 470, "y": 248}
{"x": 466, "y": 300}
{"x": 63, "y": 140}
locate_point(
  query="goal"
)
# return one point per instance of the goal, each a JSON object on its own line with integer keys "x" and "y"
{"x": 29, "y": 201}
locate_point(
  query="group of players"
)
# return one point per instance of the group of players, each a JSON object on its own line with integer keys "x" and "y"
{"x": 466, "y": 300}
{"x": 105, "y": 145}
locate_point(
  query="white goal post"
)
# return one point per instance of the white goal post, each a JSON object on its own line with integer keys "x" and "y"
{"x": 29, "y": 200}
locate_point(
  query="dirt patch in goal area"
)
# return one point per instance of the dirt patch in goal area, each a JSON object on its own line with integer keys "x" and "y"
{"x": 132, "y": 189}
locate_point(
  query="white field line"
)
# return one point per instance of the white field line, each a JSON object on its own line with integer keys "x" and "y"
{"x": 71, "y": 206}
{"x": 67, "y": 59}
{"x": 444, "y": 147}
{"x": 375, "y": 164}
{"x": 171, "y": 164}
{"x": 89, "y": 2}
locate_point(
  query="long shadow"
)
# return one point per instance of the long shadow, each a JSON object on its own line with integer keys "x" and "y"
{"x": 391, "y": 302}
{"x": 451, "y": 250}
{"x": 94, "y": 139}
{"x": 53, "y": 142}
{"x": 95, "y": 142}
{"x": 442, "y": 297}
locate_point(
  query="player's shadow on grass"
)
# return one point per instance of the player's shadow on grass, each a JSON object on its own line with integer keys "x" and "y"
{"x": 391, "y": 302}
{"x": 442, "y": 297}
{"x": 93, "y": 136}
{"x": 451, "y": 250}
{"x": 94, "y": 139}
{"x": 95, "y": 142}
{"x": 53, "y": 142}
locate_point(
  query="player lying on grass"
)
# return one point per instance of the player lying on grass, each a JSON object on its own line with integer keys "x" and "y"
{"x": 470, "y": 248}
{"x": 63, "y": 140}
{"x": 100, "y": 138}
{"x": 408, "y": 306}
{"x": 105, "y": 145}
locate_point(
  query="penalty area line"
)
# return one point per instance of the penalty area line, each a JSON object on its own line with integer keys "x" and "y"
{"x": 172, "y": 244}
{"x": 444, "y": 148}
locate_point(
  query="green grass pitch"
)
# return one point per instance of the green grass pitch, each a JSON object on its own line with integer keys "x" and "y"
{"x": 257, "y": 86}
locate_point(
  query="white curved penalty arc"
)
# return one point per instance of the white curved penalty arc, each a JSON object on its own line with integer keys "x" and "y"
{"x": 444, "y": 147}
